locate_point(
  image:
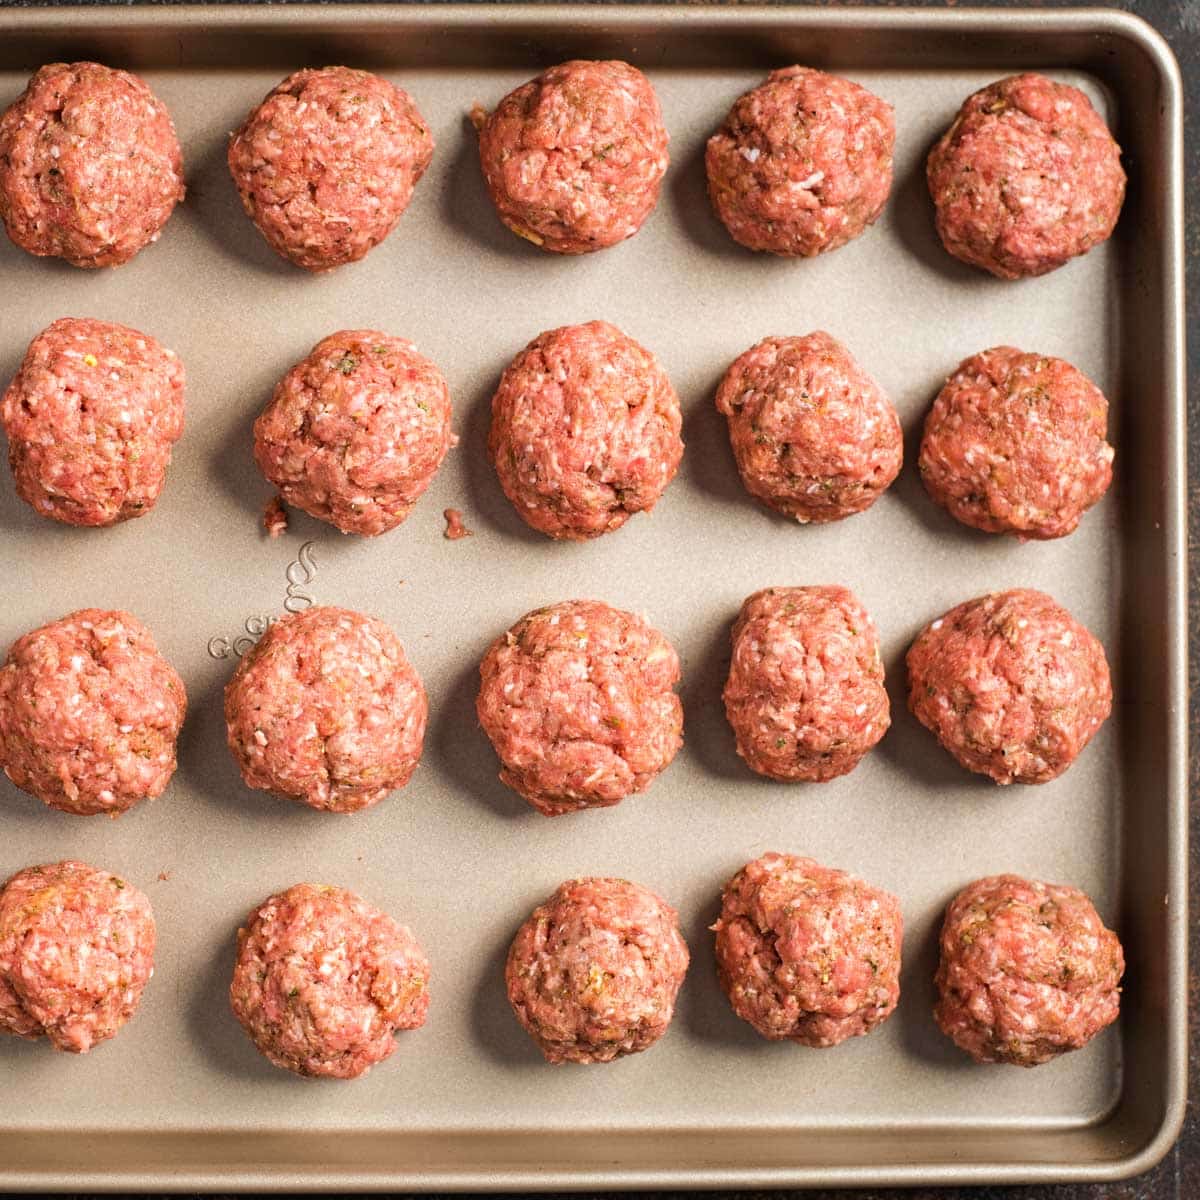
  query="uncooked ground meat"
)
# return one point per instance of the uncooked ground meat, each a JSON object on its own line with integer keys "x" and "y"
{"x": 1011, "y": 685}
{"x": 324, "y": 981}
{"x": 89, "y": 713}
{"x": 593, "y": 973}
{"x": 573, "y": 159}
{"x": 76, "y": 951}
{"x": 275, "y": 517}
{"x": 805, "y": 693}
{"x": 455, "y": 529}
{"x": 1026, "y": 178}
{"x": 585, "y": 431}
{"x": 326, "y": 709}
{"x": 1027, "y": 972}
{"x": 807, "y": 952}
{"x": 91, "y": 418}
{"x": 802, "y": 164}
{"x": 578, "y": 701}
{"x": 327, "y": 164}
{"x": 356, "y": 431}
{"x": 90, "y": 167}
{"x": 1015, "y": 443}
{"x": 814, "y": 436}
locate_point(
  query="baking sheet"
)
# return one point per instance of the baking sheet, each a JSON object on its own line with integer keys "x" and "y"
{"x": 455, "y": 854}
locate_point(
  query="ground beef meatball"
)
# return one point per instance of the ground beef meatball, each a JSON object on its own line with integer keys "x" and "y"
{"x": 327, "y": 164}
{"x": 806, "y": 952}
{"x": 1011, "y": 685}
{"x": 802, "y": 164}
{"x": 1026, "y": 178}
{"x": 76, "y": 950}
{"x": 1015, "y": 443}
{"x": 89, "y": 713}
{"x": 814, "y": 436}
{"x": 324, "y": 981}
{"x": 326, "y": 709}
{"x": 573, "y": 159}
{"x": 91, "y": 419}
{"x": 585, "y": 431}
{"x": 593, "y": 974}
{"x": 577, "y": 700}
{"x": 90, "y": 167}
{"x": 355, "y": 432}
{"x": 1027, "y": 972}
{"x": 805, "y": 690}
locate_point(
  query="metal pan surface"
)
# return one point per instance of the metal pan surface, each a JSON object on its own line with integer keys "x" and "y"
{"x": 181, "y": 1100}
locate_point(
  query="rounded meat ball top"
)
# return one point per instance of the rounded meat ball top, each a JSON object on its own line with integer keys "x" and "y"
{"x": 807, "y": 952}
{"x": 585, "y": 431}
{"x": 91, "y": 418}
{"x": 327, "y": 164}
{"x": 89, "y": 713}
{"x": 802, "y": 164}
{"x": 324, "y": 981}
{"x": 355, "y": 432}
{"x": 327, "y": 710}
{"x": 805, "y": 693}
{"x": 1015, "y": 443}
{"x": 593, "y": 973}
{"x": 1027, "y": 177}
{"x": 1011, "y": 685}
{"x": 90, "y": 167}
{"x": 1027, "y": 972}
{"x": 76, "y": 952}
{"x": 814, "y": 436}
{"x": 573, "y": 159}
{"x": 578, "y": 702}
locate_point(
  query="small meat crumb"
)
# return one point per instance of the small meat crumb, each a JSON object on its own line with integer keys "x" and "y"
{"x": 164, "y": 876}
{"x": 275, "y": 518}
{"x": 455, "y": 529}
{"x": 478, "y": 115}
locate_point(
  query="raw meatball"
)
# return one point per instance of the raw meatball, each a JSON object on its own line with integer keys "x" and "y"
{"x": 593, "y": 974}
{"x": 91, "y": 418}
{"x": 813, "y": 434}
{"x": 1026, "y": 178}
{"x": 577, "y": 700}
{"x": 573, "y": 159}
{"x": 802, "y": 164}
{"x": 327, "y": 163}
{"x": 355, "y": 432}
{"x": 1015, "y": 443}
{"x": 1027, "y": 972}
{"x": 90, "y": 167}
{"x": 327, "y": 710}
{"x": 1011, "y": 684}
{"x": 89, "y": 713}
{"x": 585, "y": 431}
{"x": 324, "y": 981}
{"x": 806, "y": 952}
{"x": 805, "y": 691}
{"x": 76, "y": 950}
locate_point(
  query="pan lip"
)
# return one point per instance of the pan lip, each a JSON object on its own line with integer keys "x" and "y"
{"x": 308, "y": 17}
{"x": 1097, "y": 19}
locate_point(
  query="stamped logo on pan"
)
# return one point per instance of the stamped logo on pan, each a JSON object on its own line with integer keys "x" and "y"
{"x": 301, "y": 571}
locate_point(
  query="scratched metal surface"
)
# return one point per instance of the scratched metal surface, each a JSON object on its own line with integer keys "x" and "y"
{"x": 455, "y": 854}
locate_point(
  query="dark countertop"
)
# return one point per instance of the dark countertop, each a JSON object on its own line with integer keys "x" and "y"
{"x": 1178, "y": 1176}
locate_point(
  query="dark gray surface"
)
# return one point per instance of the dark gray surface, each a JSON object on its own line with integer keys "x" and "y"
{"x": 1178, "y": 1177}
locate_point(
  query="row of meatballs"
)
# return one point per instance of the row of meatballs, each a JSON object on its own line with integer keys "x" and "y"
{"x": 586, "y": 431}
{"x": 323, "y": 981}
{"x": 578, "y": 700}
{"x": 1027, "y": 177}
